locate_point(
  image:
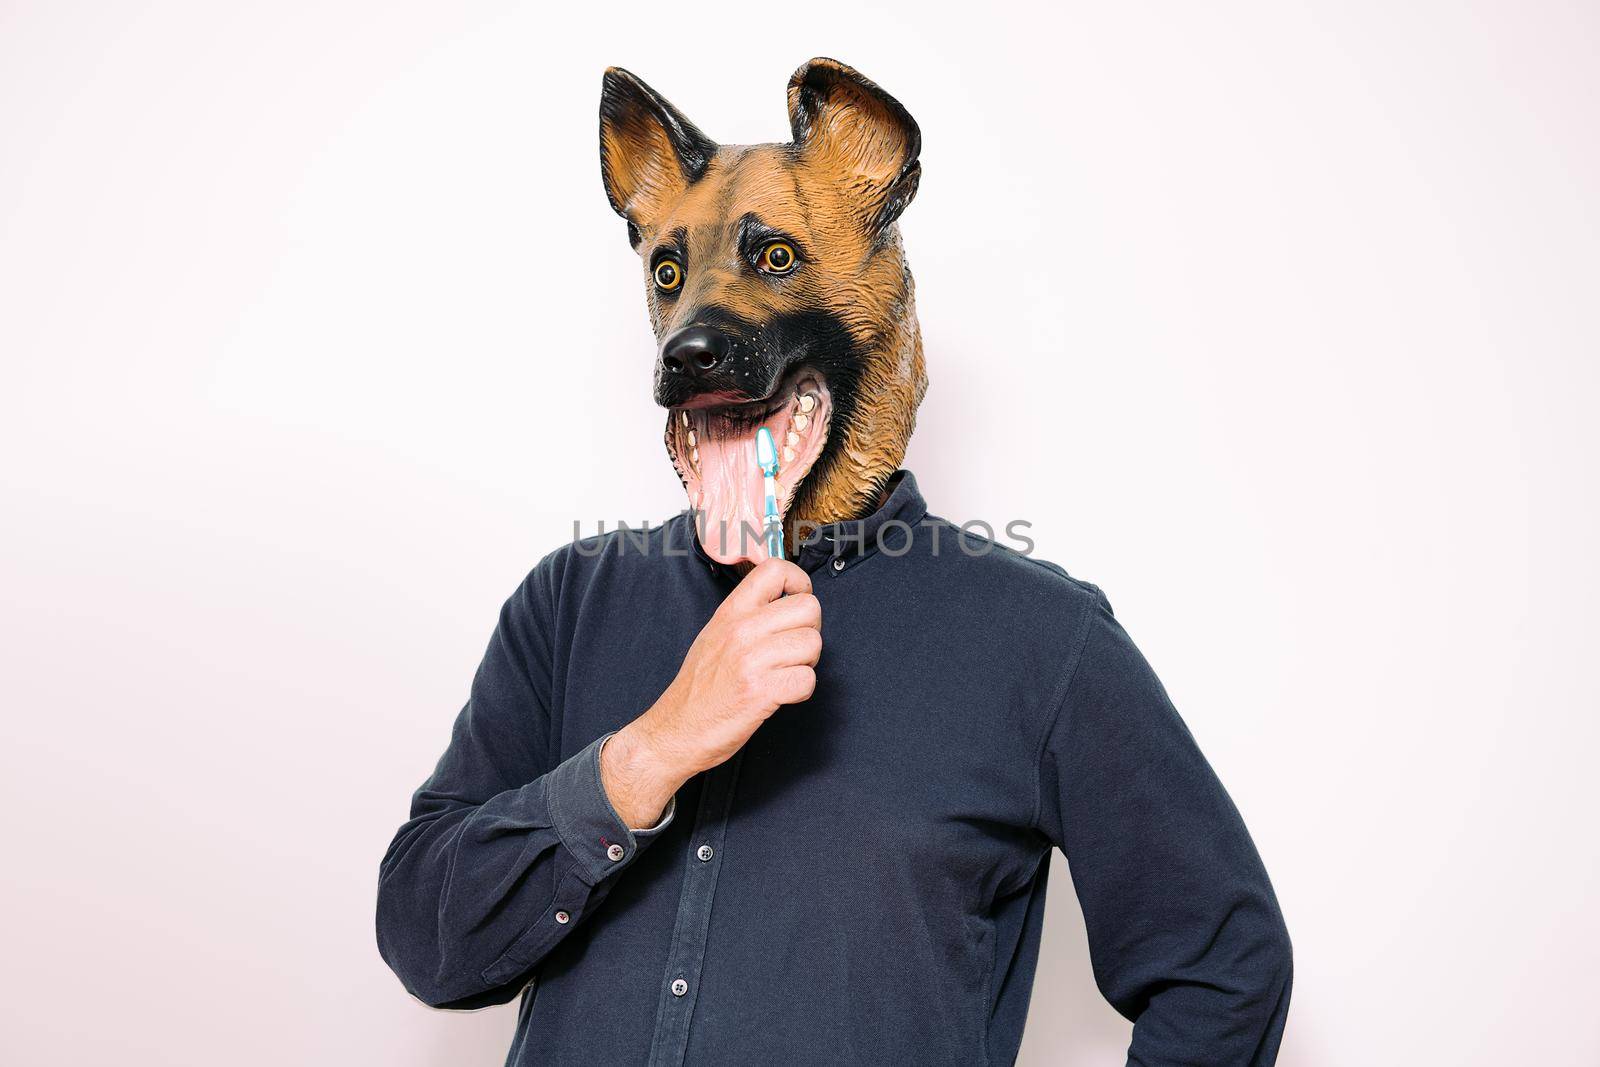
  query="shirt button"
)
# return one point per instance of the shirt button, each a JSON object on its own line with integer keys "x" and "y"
{"x": 679, "y": 987}
{"x": 838, "y": 564}
{"x": 614, "y": 853}
{"x": 704, "y": 852}
{"x": 563, "y": 918}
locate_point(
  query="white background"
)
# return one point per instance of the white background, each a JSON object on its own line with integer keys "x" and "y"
{"x": 1276, "y": 320}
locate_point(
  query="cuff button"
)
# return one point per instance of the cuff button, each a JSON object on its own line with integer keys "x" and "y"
{"x": 614, "y": 853}
{"x": 563, "y": 918}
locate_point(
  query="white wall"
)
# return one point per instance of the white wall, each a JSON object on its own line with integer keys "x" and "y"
{"x": 307, "y": 312}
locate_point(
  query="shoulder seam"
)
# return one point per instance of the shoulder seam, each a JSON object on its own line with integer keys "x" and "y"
{"x": 1058, "y": 702}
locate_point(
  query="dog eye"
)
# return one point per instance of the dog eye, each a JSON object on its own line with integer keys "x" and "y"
{"x": 777, "y": 258}
{"x": 668, "y": 275}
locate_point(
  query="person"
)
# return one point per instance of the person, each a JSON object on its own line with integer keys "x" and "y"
{"x": 708, "y": 806}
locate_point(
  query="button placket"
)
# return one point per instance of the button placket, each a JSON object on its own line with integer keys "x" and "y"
{"x": 681, "y": 985}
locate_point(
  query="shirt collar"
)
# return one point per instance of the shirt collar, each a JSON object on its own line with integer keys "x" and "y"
{"x": 842, "y": 543}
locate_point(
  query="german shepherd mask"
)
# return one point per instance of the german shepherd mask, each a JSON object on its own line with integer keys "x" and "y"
{"x": 779, "y": 294}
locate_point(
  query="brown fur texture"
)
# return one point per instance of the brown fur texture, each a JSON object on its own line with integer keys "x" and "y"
{"x": 838, "y": 190}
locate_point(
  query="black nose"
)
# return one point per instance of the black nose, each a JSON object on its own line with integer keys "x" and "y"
{"x": 694, "y": 350}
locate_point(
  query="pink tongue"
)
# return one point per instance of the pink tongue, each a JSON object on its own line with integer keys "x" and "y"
{"x": 731, "y": 495}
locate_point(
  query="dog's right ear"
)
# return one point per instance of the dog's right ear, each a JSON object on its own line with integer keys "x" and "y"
{"x": 649, "y": 153}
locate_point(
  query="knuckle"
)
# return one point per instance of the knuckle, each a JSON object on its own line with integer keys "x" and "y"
{"x": 747, "y": 689}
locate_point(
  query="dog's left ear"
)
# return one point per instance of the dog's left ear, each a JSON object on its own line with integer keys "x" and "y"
{"x": 844, "y": 120}
{"x": 649, "y": 153}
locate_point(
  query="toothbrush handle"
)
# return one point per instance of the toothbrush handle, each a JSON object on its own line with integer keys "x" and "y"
{"x": 774, "y": 524}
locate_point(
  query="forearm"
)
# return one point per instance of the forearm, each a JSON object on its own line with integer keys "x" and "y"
{"x": 1227, "y": 1005}
{"x": 473, "y": 897}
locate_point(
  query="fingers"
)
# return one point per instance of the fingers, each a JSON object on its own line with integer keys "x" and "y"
{"x": 794, "y": 612}
{"x": 791, "y": 648}
{"x": 793, "y": 685}
{"x": 769, "y": 580}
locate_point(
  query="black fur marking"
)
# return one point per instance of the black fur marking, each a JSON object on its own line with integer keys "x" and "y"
{"x": 764, "y": 354}
{"x": 625, "y": 99}
{"x": 674, "y": 244}
{"x": 755, "y": 236}
{"x": 820, "y": 340}
{"x": 898, "y": 197}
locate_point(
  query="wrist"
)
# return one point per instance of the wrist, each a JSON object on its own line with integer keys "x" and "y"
{"x": 637, "y": 778}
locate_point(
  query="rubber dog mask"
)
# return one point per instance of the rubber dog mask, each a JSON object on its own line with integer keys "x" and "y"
{"x": 779, "y": 293}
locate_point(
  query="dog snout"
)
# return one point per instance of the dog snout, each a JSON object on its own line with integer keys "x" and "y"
{"x": 694, "y": 351}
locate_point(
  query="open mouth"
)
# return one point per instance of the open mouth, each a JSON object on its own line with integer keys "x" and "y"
{"x": 714, "y": 448}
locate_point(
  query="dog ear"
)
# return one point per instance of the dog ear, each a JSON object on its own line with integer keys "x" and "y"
{"x": 842, "y": 119}
{"x": 649, "y": 153}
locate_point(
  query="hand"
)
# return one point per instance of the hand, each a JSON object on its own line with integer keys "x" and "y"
{"x": 758, "y": 652}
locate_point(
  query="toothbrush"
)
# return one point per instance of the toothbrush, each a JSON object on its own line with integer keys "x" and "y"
{"x": 767, "y": 460}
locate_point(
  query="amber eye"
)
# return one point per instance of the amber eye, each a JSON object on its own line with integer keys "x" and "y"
{"x": 668, "y": 275}
{"x": 777, "y": 258}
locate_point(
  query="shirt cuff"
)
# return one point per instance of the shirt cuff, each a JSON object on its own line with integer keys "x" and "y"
{"x": 589, "y": 826}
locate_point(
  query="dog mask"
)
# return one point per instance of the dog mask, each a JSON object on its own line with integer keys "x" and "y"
{"x": 779, "y": 294}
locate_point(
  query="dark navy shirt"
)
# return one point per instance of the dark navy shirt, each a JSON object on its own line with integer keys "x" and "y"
{"x": 865, "y": 881}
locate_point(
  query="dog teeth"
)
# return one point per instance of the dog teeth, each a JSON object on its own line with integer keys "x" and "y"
{"x": 683, "y": 417}
{"x": 694, "y": 456}
{"x": 792, "y": 440}
{"x": 691, "y": 439}
{"x": 788, "y": 455}
{"x": 801, "y": 421}
{"x": 807, "y": 402}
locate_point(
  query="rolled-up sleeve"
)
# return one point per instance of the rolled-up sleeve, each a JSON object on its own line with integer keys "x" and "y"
{"x": 504, "y": 853}
{"x": 1185, "y": 934}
